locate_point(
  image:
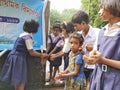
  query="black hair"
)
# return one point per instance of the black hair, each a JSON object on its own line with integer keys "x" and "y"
{"x": 68, "y": 26}
{"x": 79, "y": 17}
{"x": 30, "y": 26}
{"x": 57, "y": 25}
{"x": 77, "y": 36}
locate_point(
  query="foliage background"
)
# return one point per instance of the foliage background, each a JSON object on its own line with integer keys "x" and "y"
{"x": 89, "y": 6}
{"x": 92, "y": 8}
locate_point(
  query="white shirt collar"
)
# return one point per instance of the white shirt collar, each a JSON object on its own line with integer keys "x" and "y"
{"x": 90, "y": 32}
{"x": 25, "y": 33}
{"x": 113, "y": 30}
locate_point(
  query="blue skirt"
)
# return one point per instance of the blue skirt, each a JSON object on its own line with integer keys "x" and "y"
{"x": 109, "y": 80}
{"x": 14, "y": 70}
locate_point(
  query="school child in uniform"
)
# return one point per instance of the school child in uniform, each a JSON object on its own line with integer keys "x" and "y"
{"x": 54, "y": 45}
{"x": 74, "y": 72}
{"x": 106, "y": 75}
{"x": 15, "y": 69}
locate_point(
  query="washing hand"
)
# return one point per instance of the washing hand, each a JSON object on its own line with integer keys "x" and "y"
{"x": 94, "y": 57}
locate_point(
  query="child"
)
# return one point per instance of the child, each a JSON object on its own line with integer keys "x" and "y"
{"x": 81, "y": 22}
{"x": 15, "y": 69}
{"x": 54, "y": 45}
{"x": 106, "y": 75}
{"x": 67, "y": 29}
{"x": 74, "y": 72}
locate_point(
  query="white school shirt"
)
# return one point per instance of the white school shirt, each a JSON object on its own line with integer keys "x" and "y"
{"x": 54, "y": 39}
{"x": 115, "y": 28}
{"x": 90, "y": 38}
{"x": 66, "y": 47}
{"x": 28, "y": 42}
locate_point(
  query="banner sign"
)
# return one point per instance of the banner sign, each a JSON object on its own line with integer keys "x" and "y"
{"x": 13, "y": 14}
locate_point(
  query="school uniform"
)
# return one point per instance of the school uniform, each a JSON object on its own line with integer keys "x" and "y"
{"x": 55, "y": 41}
{"x": 105, "y": 77}
{"x": 15, "y": 68}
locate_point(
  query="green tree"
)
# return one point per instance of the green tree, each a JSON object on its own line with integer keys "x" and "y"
{"x": 63, "y": 16}
{"x": 68, "y": 13}
{"x": 55, "y": 16}
{"x": 92, "y": 8}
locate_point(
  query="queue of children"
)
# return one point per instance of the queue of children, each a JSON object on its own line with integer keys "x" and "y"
{"x": 87, "y": 66}
{"x": 106, "y": 58}
{"x": 80, "y": 21}
{"x": 67, "y": 29}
